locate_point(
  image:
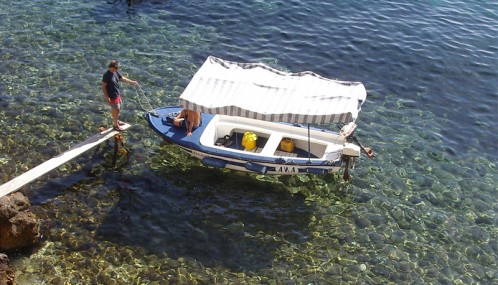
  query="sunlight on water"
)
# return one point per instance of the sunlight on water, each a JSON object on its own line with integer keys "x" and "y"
{"x": 424, "y": 211}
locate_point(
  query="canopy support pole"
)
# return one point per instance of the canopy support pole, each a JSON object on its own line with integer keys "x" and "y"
{"x": 309, "y": 145}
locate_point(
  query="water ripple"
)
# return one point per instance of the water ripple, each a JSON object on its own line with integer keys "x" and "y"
{"x": 424, "y": 211}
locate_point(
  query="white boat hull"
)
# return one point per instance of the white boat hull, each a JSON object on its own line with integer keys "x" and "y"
{"x": 314, "y": 151}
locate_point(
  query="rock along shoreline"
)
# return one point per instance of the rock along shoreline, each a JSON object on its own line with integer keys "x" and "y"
{"x": 19, "y": 230}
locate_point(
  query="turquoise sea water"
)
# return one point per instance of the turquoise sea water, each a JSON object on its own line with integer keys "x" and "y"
{"x": 423, "y": 212}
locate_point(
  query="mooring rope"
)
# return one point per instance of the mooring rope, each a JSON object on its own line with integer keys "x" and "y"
{"x": 144, "y": 103}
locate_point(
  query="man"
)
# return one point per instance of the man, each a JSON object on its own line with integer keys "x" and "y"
{"x": 188, "y": 119}
{"x": 110, "y": 87}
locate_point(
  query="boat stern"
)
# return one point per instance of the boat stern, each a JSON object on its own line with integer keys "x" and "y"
{"x": 351, "y": 149}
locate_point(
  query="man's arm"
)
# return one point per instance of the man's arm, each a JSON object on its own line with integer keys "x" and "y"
{"x": 127, "y": 80}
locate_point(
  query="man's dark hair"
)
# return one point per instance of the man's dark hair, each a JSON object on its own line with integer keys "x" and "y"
{"x": 114, "y": 63}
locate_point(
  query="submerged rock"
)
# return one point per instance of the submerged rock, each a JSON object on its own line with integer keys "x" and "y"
{"x": 19, "y": 227}
{"x": 7, "y": 274}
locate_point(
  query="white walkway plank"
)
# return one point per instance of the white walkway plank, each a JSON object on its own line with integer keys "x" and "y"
{"x": 55, "y": 162}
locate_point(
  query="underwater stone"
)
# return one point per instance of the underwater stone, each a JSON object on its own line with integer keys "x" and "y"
{"x": 480, "y": 205}
{"x": 485, "y": 219}
{"x": 415, "y": 200}
{"x": 438, "y": 218}
{"x": 423, "y": 263}
{"x": 472, "y": 250}
{"x": 428, "y": 182}
{"x": 486, "y": 259}
{"x": 363, "y": 197}
{"x": 452, "y": 196}
{"x": 478, "y": 271}
{"x": 361, "y": 222}
{"x": 397, "y": 237}
{"x": 397, "y": 213}
{"x": 376, "y": 238}
{"x": 270, "y": 282}
{"x": 432, "y": 272}
{"x": 381, "y": 202}
{"x": 478, "y": 234}
{"x": 334, "y": 270}
{"x": 377, "y": 220}
{"x": 410, "y": 244}
{"x": 431, "y": 197}
{"x": 492, "y": 274}
{"x": 235, "y": 227}
{"x": 57, "y": 280}
{"x": 405, "y": 266}
{"x": 417, "y": 226}
{"x": 7, "y": 272}
{"x": 363, "y": 239}
{"x": 381, "y": 269}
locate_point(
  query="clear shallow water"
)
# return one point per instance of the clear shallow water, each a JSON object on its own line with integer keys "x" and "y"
{"x": 424, "y": 211}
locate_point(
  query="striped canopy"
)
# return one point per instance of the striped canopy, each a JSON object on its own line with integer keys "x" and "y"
{"x": 257, "y": 91}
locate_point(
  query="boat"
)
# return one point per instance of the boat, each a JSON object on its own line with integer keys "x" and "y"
{"x": 259, "y": 119}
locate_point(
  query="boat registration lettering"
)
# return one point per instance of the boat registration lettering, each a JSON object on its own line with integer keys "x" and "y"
{"x": 287, "y": 169}
{"x": 198, "y": 153}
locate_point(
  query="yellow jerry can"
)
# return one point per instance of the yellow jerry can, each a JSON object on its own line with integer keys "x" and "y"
{"x": 249, "y": 140}
{"x": 287, "y": 144}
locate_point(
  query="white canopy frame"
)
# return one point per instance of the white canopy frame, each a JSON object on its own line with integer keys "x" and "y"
{"x": 257, "y": 91}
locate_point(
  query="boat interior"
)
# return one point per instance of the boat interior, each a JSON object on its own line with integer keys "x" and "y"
{"x": 272, "y": 145}
{"x": 280, "y": 141}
